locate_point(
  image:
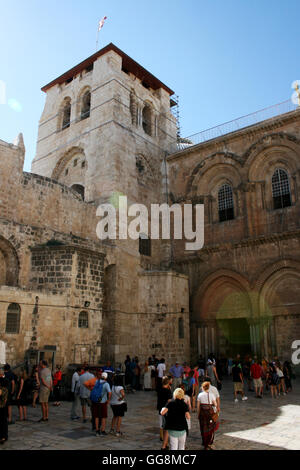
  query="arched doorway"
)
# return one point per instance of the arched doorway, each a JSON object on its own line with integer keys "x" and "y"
{"x": 222, "y": 312}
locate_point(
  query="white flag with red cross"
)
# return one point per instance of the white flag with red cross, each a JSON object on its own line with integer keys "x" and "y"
{"x": 101, "y": 22}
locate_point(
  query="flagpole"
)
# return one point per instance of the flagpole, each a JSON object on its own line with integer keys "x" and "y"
{"x": 97, "y": 40}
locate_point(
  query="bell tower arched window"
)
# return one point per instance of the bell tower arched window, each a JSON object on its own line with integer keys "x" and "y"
{"x": 66, "y": 118}
{"x": 86, "y": 105}
{"x": 225, "y": 203}
{"x": 146, "y": 116}
{"x": 281, "y": 189}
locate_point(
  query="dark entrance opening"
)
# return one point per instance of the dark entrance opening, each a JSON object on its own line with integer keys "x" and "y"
{"x": 237, "y": 334}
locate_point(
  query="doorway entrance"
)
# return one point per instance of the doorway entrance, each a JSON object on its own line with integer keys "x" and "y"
{"x": 236, "y": 333}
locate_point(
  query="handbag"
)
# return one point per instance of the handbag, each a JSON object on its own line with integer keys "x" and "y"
{"x": 214, "y": 415}
{"x": 219, "y": 386}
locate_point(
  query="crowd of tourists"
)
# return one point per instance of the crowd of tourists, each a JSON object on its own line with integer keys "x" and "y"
{"x": 184, "y": 389}
{"x": 181, "y": 390}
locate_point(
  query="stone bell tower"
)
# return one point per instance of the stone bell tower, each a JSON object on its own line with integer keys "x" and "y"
{"x": 105, "y": 128}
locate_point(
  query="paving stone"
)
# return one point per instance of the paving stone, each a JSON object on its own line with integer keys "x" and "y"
{"x": 254, "y": 425}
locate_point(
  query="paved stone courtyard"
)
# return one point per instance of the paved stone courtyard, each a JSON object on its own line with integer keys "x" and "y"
{"x": 253, "y": 424}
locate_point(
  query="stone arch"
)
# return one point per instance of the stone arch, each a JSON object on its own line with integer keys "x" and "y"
{"x": 65, "y": 159}
{"x": 222, "y": 313}
{"x": 209, "y": 176}
{"x": 210, "y": 166}
{"x": 217, "y": 292}
{"x": 277, "y": 286}
{"x": 9, "y": 263}
{"x": 261, "y": 155}
{"x": 271, "y": 152}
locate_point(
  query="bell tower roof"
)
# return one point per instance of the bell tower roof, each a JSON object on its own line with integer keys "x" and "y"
{"x": 128, "y": 65}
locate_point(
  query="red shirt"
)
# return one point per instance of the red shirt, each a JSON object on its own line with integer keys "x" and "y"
{"x": 57, "y": 377}
{"x": 256, "y": 371}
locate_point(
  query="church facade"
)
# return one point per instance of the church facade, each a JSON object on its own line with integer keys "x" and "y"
{"x": 107, "y": 130}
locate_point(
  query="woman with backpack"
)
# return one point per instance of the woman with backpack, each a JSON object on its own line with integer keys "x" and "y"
{"x": 118, "y": 405}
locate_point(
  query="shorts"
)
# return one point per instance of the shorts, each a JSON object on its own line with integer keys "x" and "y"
{"x": 103, "y": 410}
{"x": 85, "y": 401}
{"x": 44, "y": 395}
{"x": 95, "y": 408}
{"x": 257, "y": 382}
{"x": 238, "y": 386}
{"x": 118, "y": 410}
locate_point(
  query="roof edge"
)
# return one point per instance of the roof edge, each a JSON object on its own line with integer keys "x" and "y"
{"x": 130, "y": 64}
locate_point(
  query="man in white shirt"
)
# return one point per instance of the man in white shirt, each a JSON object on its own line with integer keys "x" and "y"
{"x": 161, "y": 368}
{"x": 214, "y": 391}
{"x": 75, "y": 389}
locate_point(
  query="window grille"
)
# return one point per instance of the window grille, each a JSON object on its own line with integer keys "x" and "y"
{"x": 13, "y": 318}
{"x": 225, "y": 202}
{"x": 281, "y": 189}
{"x": 83, "y": 320}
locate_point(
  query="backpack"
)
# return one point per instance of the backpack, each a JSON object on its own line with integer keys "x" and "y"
{"x": 97, "y": 392}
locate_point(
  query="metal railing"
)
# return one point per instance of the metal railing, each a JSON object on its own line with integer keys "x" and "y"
{"x": 236, "y": 124}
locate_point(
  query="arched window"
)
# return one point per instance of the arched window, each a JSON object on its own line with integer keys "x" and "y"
{"x": 281, "y": 189}
{"x": 86, "y": 105}
{"x": 225, "y": 203}
{"x": 147, "y": 119}
{"x": 144, "y": 245}
{"x": 79, "y": 189}
{"x": 83, "y": 320}
{"x": 66, "y": 118}
{"x": 13, "y": 319}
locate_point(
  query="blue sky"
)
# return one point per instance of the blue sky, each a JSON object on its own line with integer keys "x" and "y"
{"x": 224, "y": 58}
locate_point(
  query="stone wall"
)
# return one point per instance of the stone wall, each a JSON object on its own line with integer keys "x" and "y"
{"x": 249, "y": 266}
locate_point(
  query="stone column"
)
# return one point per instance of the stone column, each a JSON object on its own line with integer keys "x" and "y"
{"x": 254, "y": 335}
